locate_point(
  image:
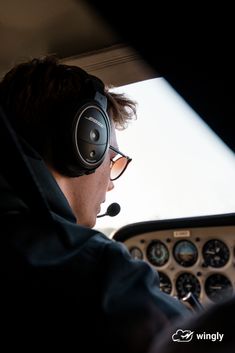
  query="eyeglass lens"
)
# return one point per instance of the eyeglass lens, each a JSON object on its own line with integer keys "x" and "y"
{"x": 118, "y": 167}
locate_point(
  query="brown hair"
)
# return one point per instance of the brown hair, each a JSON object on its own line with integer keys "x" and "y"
{"x": 43, "y": 93}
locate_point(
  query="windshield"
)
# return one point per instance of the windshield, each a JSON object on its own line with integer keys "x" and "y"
{"x": 180, "y": 167}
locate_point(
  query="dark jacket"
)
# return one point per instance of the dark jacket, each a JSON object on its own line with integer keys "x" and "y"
{"x": 67, "y": 285}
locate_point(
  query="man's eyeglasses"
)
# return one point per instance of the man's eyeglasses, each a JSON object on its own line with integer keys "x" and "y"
{"x": 119, "y": 165}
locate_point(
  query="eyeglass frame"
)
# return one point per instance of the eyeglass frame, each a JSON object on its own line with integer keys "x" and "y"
{"x": 113, "y": 162}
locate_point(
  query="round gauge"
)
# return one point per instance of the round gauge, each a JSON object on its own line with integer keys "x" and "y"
{"x": 185, "y": 253}
{"x": 157, "y": 253}
{"x": 136, "y": 253}
{"x": 218, "y": 287}
{"x": 165, "y": 283}
{"x": 187, "y": 282}
{"x": 215, "y": 253}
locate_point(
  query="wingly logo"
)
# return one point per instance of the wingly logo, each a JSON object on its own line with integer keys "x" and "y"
{"x": 187, "y": 336}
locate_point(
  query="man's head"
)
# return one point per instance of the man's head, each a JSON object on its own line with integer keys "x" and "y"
{"x": 44, "y": 101}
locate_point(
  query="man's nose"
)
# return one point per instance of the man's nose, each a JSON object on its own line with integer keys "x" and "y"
{"x": 111, "y": 185}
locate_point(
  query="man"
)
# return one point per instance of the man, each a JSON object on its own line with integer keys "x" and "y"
{"x": 73, "y": 285}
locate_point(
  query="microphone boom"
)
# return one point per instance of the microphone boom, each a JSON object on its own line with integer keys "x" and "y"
{"x": 113, "y": 210}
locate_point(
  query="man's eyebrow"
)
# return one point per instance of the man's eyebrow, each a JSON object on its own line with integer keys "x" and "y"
{"x": 118, "y": 151}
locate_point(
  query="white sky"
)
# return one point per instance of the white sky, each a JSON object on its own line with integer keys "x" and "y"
{"x": 180, "y": 168}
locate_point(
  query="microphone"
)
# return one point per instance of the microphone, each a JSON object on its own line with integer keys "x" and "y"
{"x": 112, "y": 210}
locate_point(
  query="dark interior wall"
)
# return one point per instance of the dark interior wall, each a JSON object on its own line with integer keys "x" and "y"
{"x": 191, "y": 47}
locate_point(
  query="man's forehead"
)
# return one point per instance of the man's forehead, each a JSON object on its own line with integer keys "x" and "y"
{"x": 113, "y": 136}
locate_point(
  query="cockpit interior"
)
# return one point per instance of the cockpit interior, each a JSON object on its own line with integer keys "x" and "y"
{"x": 191, "y": 254}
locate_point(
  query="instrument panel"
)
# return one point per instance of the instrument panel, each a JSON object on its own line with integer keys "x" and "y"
{"x": 200, "y": 260}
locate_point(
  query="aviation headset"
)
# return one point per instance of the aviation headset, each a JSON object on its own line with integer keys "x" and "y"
{"x": 88, "y": 138}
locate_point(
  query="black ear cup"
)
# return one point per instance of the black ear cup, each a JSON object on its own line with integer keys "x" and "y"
{"x": 82, "y": 141}
{"x": 91, "y": 136}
